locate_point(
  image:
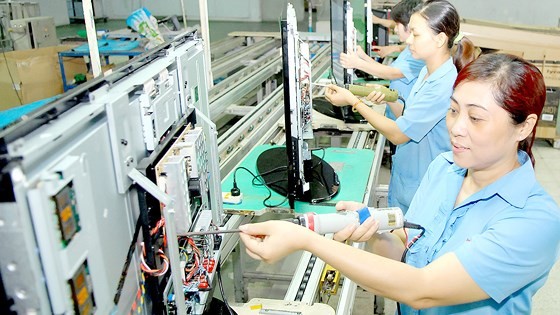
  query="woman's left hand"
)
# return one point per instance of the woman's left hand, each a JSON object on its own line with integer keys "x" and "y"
{"x": 350, "y": 60}
{"x": 272, "y": 240}
{"x": 375, "y": 96}
{"x": 339, "y": 96}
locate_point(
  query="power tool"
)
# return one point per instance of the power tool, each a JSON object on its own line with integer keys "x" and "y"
{"x": 391, "y": 95}
{"x": 388, "y": 218}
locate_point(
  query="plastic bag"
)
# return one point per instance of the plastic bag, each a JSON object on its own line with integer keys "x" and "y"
{"x": 146, "y": 25}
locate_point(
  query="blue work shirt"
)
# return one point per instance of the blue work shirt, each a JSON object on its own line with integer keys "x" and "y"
{"x": 506, "y": 235}
{"x": 423, "y": 122}
{"x": 410, "y": 68}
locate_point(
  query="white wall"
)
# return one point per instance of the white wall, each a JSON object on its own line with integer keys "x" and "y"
{"x": 230, "y": 10}
{"x": 55, "y": 8}
{"x": 535, "y": 13}
{"x": 275, "y": 10}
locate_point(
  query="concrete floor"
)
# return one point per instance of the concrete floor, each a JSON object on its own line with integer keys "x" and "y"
{"x": 545, "y": 302}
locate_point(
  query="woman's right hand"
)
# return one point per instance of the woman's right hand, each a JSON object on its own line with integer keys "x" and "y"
{"x": 339, "y": 96}
{"x": 384, "y": 51}
{"x": 375, "y": 19}
{"x": 356, "y": 233}
{"x": 272, "y": 240}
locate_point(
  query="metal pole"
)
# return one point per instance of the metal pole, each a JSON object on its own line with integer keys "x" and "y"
{"x": 94, "y": 59}
{"x": 184, "y": 14}
{"x": 206, "y": 38}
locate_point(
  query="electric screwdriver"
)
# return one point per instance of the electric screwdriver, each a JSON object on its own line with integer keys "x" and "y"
{"x": 364, "y": 90}
{"x": 388, "y": 219}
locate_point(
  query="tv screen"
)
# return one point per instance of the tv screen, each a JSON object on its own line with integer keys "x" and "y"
{"x": 343, "y": 38}
{"x": 380, "y": 33}
{"x": 294, "y": 171}
{"x": 362, "y": 23}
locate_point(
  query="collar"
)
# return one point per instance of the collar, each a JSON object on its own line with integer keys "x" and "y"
{"x": 440, "y": 72}
{"x": 514, "y": 187}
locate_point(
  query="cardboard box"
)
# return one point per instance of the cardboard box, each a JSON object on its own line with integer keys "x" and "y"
{"x": 551, "y": 73}
{"x": 546, "y": 132}
{"x": 549, "y": 115}
{"x": 34, "y": 74}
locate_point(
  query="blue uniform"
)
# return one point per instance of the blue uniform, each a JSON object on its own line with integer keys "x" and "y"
{"x": 423, "y": 122}
{"x": 506, "y": 235}
{"x": 410, "y": 68}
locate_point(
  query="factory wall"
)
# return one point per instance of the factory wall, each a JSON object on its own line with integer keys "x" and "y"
{"x": 55, "y": 8}
{"x": 539, "y": 13}
{"x": 238, "y": 10}
{"x": 536, "y": 13}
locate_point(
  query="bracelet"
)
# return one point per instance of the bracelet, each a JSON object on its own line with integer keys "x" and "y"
{"x": 354, "y": 109}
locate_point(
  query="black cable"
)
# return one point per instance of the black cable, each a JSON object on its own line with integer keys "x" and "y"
{"x": 221, "y": 285}
{"x": 407, "y": 246}
{"x": 124, "y": 271}
{"x": 322, "y": 158}
{"x": 403, "y": 104}
{"x": 262, "y": 183}
{"x": 8, "y": 68}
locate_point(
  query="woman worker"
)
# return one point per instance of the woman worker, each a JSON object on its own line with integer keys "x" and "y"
{"x": 384, "y": 51}
{"x": 419, "y": 133}
{"x": 492, "y": 233}
{"x": 404, "y": 70}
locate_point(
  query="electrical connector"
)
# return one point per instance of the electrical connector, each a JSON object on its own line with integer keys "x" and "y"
{"x": 229, "y": 199}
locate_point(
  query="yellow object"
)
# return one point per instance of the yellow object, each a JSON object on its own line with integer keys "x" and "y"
{"x": 256, "y": 307}
{"x": 329, "y": 280}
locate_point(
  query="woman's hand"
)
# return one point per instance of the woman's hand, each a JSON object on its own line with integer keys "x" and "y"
{"x": 339, "y": 96}
{"x": 375, "y": 19}
{"x": 356, "y": 233}
{"x": 350, "y": 60}
{"x": 375, "y": 96}
{"x": 384, "y": 51}
{"x": 362, "y": 54}
{"x": 354, "y": 60}
{"x": 272, "y": 240}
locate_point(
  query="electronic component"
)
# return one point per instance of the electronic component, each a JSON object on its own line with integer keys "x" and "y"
{"x": 181, "y": 169}
{"x": 81, "y": 292}
{"x": 297, "y": 149}
{"x": 329, "y": 282}
{"x": 80, "y": 190}
{"x": 303, "y": 183}
{"x": 305, "y": 91}
{"x": 160, "y": 107}
{"x": 65, "y": 206}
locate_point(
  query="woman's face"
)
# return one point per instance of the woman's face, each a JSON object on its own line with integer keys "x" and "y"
{"x": 402, "y": 31}
{"x": 422, "y": 41}
{"x": 482, "y": 133}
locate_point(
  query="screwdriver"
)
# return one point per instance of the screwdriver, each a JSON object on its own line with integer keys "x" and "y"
{"x": 212, "y": 232}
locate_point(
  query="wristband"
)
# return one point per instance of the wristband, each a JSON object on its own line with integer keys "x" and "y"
{"x": 356, "y": 104}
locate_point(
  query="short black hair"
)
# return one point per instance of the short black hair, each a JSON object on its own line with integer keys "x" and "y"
{"x": 402, "y": 11}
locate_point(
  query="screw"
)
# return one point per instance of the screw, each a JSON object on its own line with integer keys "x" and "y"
{"x": 124, "y": 142}
{"x": 21, "y": 294}
{"x": 11, "y": 267}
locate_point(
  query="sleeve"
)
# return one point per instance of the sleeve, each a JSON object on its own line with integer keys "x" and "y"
{"x": 426, "y": 110}
{"x": 514, "y": 251}
{"x": 409, "y": 67}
